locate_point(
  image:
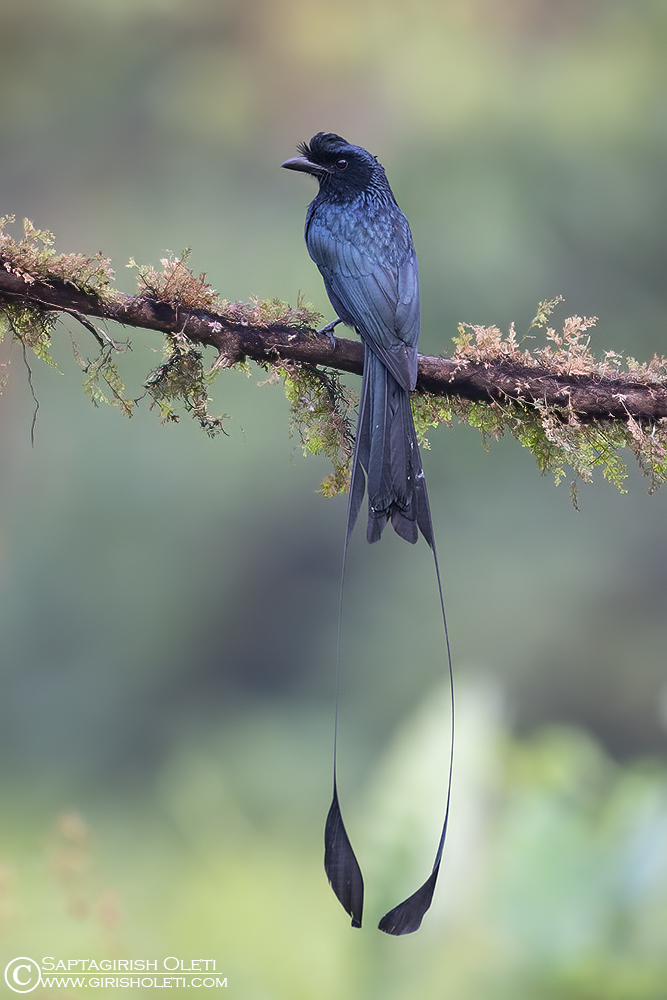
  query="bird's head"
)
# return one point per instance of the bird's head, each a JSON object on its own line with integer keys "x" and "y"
{"x": 339, "y": 166}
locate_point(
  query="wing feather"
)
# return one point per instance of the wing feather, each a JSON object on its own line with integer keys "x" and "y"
{"x": 380, "y": 300}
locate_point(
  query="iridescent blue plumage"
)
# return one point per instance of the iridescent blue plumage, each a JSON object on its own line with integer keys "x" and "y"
{"x": 361, "y": 243}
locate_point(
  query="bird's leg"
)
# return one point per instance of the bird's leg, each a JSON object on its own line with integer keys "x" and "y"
{"x": 329, "y": 330}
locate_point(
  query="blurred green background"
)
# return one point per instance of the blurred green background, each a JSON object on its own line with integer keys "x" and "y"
{"x": 168, "y": 603}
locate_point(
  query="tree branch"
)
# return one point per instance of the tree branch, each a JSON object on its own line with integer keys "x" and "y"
{"x": 501, "y": 378}
{"x": 570, "y": 409}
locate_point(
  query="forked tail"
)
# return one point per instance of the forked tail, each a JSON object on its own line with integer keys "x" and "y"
{"x": 387, "y": 462}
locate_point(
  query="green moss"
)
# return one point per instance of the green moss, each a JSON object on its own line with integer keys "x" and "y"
{"x": 31, "y": 326}
{"x": 35, "y": 256}
{"x": 558, "y": 439}
{"x": 182, "y": 380}
{"x": 320, "y": 407}
{"x": 561, "y": 443}
{"x": 429, "y": 411}
{"x": 103, "y": 369}
{"x": 175, "y": 284}
{"x": 558, "y": 442}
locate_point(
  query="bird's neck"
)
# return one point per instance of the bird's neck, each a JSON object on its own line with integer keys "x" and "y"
{"x": 376, "y": 193}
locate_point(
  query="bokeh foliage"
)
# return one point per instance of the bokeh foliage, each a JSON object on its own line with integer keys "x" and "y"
{"x": 168, "y": 602}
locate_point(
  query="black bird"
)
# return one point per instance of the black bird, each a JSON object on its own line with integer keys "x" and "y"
{"x": 362, "y": 245}
{"x": 361, "y": 242}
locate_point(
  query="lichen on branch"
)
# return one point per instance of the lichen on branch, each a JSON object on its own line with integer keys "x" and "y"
{"x": 34, "y": 257}
{"x": 320, "y": 416}
{"x": 182, "y": 378}
{"x": 558, "y": 437}
{"x": 573, "y": 411}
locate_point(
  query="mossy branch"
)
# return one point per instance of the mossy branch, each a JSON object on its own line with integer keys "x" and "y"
{"x": 566, "y": 406}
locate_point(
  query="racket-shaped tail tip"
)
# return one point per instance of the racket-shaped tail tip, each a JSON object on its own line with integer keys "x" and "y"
{"x": 341, "y": 865}
{"x": 406, "y": 918}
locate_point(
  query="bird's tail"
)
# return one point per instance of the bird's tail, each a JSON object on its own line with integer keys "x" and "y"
{"x": 387, "y": 462}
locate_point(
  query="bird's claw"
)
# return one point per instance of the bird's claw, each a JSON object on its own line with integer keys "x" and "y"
{"x": 329, "y": 331}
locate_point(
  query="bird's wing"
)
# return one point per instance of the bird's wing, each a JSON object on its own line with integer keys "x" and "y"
{"x": 380, "y": 300}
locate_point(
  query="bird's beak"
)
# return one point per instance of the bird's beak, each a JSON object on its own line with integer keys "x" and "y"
{"x": 304, "y": 164}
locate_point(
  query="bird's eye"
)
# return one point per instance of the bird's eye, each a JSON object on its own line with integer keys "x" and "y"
{"x": 341, "y": 164}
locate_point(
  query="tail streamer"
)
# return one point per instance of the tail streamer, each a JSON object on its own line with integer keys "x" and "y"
{"x": 340, "y": 861}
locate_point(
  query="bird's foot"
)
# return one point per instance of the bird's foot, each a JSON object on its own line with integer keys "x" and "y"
{"x": 329, "y": 330}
